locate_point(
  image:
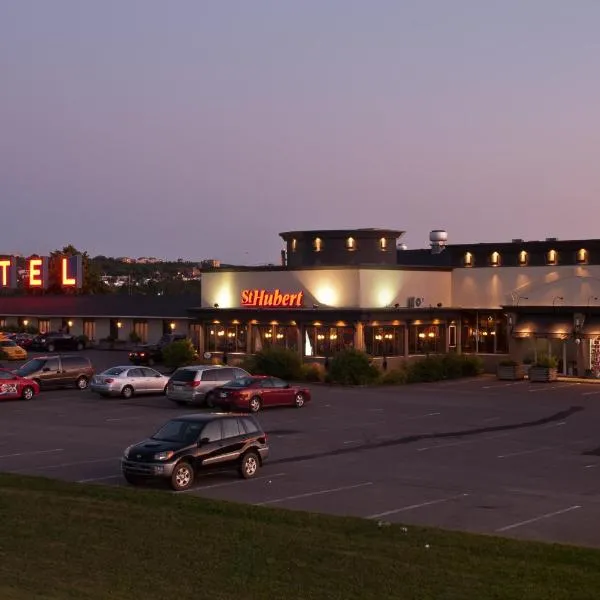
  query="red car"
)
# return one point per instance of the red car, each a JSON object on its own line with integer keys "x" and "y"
{"x": 13, "y": 386}
{"x": 259, "y": 391}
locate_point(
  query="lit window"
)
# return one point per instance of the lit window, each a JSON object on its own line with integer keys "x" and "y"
{"x": 552, "y": 257}
{"x": 294, "y": 244}
{"x": 495, "y": 259}
{"x": 469, "y": 260}
{"x": 523, "y": 258}
{"x": 383, "y": 244}
{"x": 351, "y": 244}
{"x": 318, "y": 244}
{"x": 582, "y": 256}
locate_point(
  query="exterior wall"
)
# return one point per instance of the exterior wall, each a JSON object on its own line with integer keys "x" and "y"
{"x": 77, "y": 327}
{"x": 102, "y": 329}
{"x": 155, "y": 330}
{"x": 332, "y": 288}
{"x": 490, "y": 287}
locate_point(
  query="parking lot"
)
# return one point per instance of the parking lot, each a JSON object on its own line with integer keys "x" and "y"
{"x": 514, "y": 459}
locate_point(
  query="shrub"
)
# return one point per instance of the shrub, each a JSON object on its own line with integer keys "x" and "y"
{"x": 507, "y": 362}
{"x": 352, "y": 367}
{"x": 397, "y": 376}
{"x": 134, "y": 338}
{"x": 447, "y": 366}
{"x": 277, "y": 362}
{"x": 179, "y": 353}
{"x": 313, "y": 372}
{"x": 546, "y": 361}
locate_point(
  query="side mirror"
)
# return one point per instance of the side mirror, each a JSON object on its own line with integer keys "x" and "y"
{"x": 287, "y": 386}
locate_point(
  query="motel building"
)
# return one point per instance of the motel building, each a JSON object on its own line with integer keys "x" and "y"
{"x": 362, "y": 288}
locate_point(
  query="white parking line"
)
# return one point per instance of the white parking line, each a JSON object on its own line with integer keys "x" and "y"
{"x": 318, "y": 493}
{"x": 75, "y": 464}
{"x": 352, "y": 442}
{"x": 501, "y": 385}
{"x": 545, "y": 388}
{"x": 535, "y": 519}
{"x": 590, "y": 393}
{"x": 32, "y": 453}
{"x": 236, "y": 482}
{"x": 464, "y": 442}
{"x": 414, "y": 506}
{"x": 121, "y": 419}
{"x": 525, "y": 452}
{"x": 590, "y": 466}
{"x": 100, "y": 478}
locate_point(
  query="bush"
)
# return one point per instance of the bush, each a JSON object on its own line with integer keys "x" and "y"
{"x": 546, "y": 361}
{"x": 397, "y": 376}
{"x": 313, "y": 372}
{"x": 277, "y": 362}
{"x": 134, "y": 338}
{"x": 440, "y": 367}
{"x": 352, "y": 367}
{"x": 179, "y": 353}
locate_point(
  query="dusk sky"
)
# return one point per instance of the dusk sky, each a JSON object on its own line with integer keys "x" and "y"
{"x": 199, "y": 129}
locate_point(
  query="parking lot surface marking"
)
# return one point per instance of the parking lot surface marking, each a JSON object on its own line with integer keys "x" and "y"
{"x": 415, "y": 506}
{"x": 32, "y": 453}
{"x": 317, "y": 493}
{"x": 108, "y": 478}
{"x": 532, "y": 451}
{"x": 213, "y": 486}
{"x": 540, "y": 518}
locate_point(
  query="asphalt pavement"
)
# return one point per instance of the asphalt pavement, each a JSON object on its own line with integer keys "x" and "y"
{"x": 505, "y": 458}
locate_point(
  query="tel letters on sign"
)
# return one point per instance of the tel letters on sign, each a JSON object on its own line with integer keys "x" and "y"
{"x": 272, "y": 299}
{"x": 70, "y": 273}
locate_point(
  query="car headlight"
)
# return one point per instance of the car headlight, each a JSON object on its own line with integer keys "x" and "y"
{"x": 164, "y": 455}
{"x": 126, "y": 453}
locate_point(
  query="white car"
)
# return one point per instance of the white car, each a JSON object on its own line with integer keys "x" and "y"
{"x": 127, "y": 381}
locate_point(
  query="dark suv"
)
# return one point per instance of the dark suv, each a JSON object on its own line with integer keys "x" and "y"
{"x": 57, "y": 341}
{"x": 149, "y": 354}
{"x": 185, "y": 445}
{"x": 58, "y": 370}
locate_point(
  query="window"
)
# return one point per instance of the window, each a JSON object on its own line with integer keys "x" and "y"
{"x": 2, "y": 323}
{"x": 426, "y": 339}
{"x": 278, "y": 383}
{"x": 74, "y": 362}
{"x": 484, "y": 333}
{"x": 324, "y": 340}
{"x": 387, "y": 340}
{"x": 179, "y": 430}
{"x": 351, "y": 244}
{"x": 210, "y": 375}
{"x": 140, "y": 328}
{"x": 212, "y": 431}
{"x": 135, "y": 373}
{"x": 552, "y": 257}
{"x": 44, "y": 326}
{"x": 294, "y": 245}
{"x": 225, "y": 374}
{"x": 582, "y": 256}
{"x": 318, "y": 245}
{"x": 239, "y": 373}
{"x": 220, "y": 338}
{"x": 266, "y": 383}
{"x": 523, "y": 258}
{"x": 281, "y": 336}
{"x": 146, "y": 372}
{"x": 249, "y": 425}
{"x": 231, "y": 428}
{"x": 6, "y": 375}
{"x": 383, "y": 244}
{"x": 469, "y": 260}
{"x": 53, "y": 365}
{"x": 495, "y": 259}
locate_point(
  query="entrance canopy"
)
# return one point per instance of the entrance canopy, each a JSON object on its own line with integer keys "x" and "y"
{"x": 543, "y": 327}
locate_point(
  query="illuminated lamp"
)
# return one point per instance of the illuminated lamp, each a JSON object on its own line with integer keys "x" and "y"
{"x": 25, "y": 322}
{"x": 172, "y": 326}
{"x": 70, "y": 323}
{"x": 119, "y": 324}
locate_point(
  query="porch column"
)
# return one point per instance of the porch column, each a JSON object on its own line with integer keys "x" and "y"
{"x": 300, "y": 340}
{"x": 359, "y": 336}
{"x": 249, "y": 339}
{"x": 459, "y": 335}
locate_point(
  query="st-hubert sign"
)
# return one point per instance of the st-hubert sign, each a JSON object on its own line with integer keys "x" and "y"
{"x": 37, "y": 272}
{"x": 272, "y": 299}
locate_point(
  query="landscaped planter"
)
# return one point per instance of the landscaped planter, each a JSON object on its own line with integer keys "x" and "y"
{"x": 543, "y": 374}
{"x": 511, "y": 372}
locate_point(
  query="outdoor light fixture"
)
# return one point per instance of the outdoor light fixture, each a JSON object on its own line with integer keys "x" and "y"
{"x": 25, "y": 322}
{"x": 119, "y": 324}
{"x": 172, "y": 326}
{"x": 70, "y": 323}
{"x": 216, "y": 305}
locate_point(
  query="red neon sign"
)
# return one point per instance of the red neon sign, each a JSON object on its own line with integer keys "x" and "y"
{"x": 70, "y": 274}
{"x": 272, "y": 299}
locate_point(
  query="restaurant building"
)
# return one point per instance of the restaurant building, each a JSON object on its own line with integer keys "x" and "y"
{"x": 362, "y": 288}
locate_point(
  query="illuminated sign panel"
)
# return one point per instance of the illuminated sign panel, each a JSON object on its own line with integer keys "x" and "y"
{"x": 68, "y": 269}
{"x": 272, "y": 299}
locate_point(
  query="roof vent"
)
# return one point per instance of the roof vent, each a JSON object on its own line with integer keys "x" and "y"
{"x": 437, "y": 240}
{"x": 517, "y": 240}
{"x": 552, "y": 239}
{"x": 402, "y": 247}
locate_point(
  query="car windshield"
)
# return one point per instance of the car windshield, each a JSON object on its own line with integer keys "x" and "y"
{"x": 31, "y": 367}
{"x": 7, "y": 343}
{"x": 182, "y": 431}
{"x": 114, "y": 371}
{"x": 242, "y": 382}
{"x": 184, "y": 375}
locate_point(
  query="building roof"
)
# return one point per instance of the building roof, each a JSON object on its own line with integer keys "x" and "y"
{"x": 367, "y": 232}
{"x": 95, "y": 306}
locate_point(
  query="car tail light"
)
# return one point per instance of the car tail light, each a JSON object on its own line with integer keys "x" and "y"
{"x": 109, "y": 380}
{"x": 193, "y": 384}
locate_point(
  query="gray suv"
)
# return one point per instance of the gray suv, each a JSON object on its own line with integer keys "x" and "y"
{"x": 195, "y": 384}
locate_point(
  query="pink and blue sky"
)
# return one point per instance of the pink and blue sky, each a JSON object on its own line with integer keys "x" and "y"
{"x": 201, "y": 129}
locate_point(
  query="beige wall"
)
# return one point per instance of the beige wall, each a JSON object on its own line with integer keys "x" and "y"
{"x": 490, "y": 287}
{"x": 335, "y": 288}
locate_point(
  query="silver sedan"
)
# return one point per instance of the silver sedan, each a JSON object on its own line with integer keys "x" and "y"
{"x": 127, "y": 381}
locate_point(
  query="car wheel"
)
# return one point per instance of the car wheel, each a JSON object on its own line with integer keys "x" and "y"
{"x": 79, "y": 346}
{"x": 255, "y": 404}
{"x": 299, "y": 400}
{"x": 50, "y": 347}
{"x": 82, "y": 383}
{"x": 127, "y": 392}
{"x": 183, "y": 477}
{"x": 27, "y": 393}
{"x": 166, "y": 388}
{"x": 210, "y": 400}
{"x": 249, "y": 465}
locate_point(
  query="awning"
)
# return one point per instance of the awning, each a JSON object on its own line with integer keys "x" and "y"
{"x": 591, "y": 327}
{"x": 543, "y": 327}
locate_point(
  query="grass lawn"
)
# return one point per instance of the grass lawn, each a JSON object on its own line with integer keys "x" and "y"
{"x": 61, "y": 540}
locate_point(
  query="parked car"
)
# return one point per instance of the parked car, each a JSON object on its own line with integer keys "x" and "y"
{"x": 127, "y": 381}
{"x": 58, "y": 371}
{"x": 13, "y": 386}
{"x": 10, "y": 350}
{"x": 185, "y": 445}
{"x": 195, "y": 384}
{"x": 260, "y": 391}
{"x": 24, "y": 339}
{"x": 57, "y": 341}
{"x": 150, "y": 354}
